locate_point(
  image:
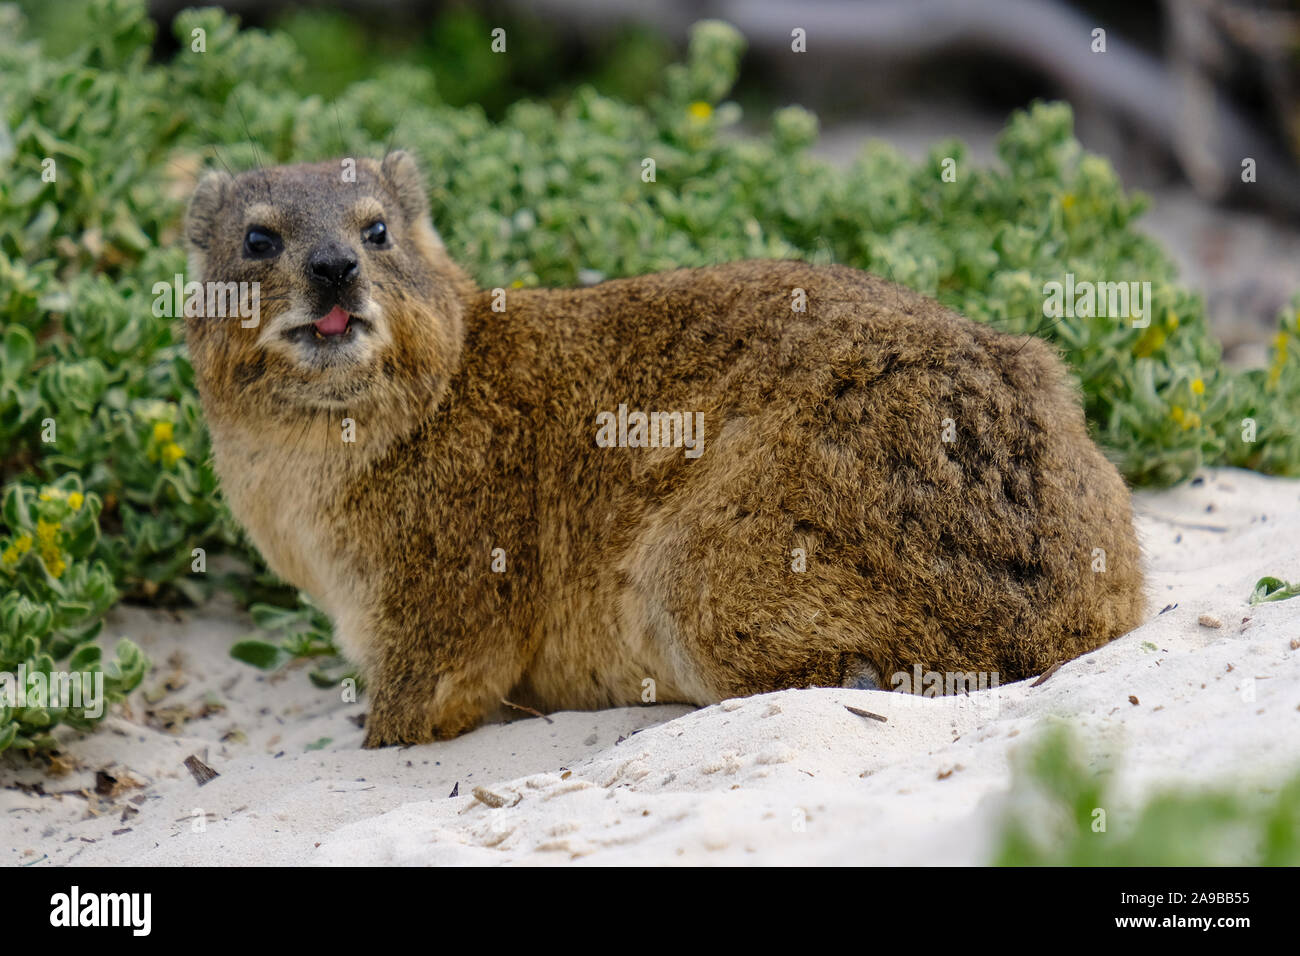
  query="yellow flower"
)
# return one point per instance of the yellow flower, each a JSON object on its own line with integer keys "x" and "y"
{"x": 1186, "y": 419}
{"x": 1198, "y": 387}
{"x": 22, "y": 544}
{"x": 517, "y": 284}
{"x": 47, "y": 534}
{"x": 75, "y": 500}
{"x": 700, "y": 110}
{"x": 172, "y": 453}
{"x": 1068, "y": 201}
{"x": 1151, "y": 340}
{"x": 1279, "y": 358}
{"x": 162, "y": 431}
{"x": 1172, "y": 321}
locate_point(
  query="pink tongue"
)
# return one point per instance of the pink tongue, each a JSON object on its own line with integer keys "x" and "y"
{"x": 335, "y": 322}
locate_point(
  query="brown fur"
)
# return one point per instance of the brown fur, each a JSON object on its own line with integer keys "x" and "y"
{"x": 475, "y": 430}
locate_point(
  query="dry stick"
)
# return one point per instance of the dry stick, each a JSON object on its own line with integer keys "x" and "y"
{"x": 486, "y": 796}
{"x": 866, "y": 713}
{"x": 201, "y": 771}
{"x": 527, "y": 710}
{"x": 1048, "y": 673}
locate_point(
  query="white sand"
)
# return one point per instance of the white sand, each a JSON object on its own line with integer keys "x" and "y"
{"x": 726, "y": 784}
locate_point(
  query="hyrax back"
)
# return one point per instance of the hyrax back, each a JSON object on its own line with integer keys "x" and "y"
{"x": 872, "y": 484}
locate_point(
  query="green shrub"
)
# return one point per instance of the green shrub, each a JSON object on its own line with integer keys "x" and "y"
{"x": 55, "y": 599}
{"x": 1060, "y": 815}
{"x": 546, "y": 195}
{"x": 338, "y": 51}
{"x": 301, "y": 634}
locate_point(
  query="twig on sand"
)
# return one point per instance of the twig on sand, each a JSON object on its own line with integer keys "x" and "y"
{"x": 201, "y": 771}
{"x": 527, "y": 710}
{"x": 493, "y": 800}
{"x": 866, "y": 713}
{"x": 1048, "y": 673}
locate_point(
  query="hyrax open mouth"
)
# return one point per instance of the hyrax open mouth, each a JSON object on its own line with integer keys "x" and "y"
{"x": 335, "y": 326}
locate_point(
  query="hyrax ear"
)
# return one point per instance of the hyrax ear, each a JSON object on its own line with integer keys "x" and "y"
{"x": 403, "y": 179}
{"x": 212, "y": 192}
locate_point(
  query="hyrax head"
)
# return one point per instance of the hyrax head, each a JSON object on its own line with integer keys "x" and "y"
{"x": 347, "y": 296}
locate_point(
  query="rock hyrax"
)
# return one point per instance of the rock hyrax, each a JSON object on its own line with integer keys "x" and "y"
{"x": 681, "y": 487}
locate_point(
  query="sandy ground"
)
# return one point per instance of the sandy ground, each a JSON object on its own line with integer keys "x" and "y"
{"x": 783, "y": 778}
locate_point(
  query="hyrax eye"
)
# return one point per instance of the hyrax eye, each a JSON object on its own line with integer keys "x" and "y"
{"x": 376, "y": 233}
{"x": 262, "y": 244}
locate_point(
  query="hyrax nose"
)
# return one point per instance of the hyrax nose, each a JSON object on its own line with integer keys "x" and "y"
{"x": 333, "y": 267}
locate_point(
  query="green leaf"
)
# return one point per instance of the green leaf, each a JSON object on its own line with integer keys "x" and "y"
{"x": 1273, "y": 589}
{"x": 86, "y": 658}
{"x": 258, "y": 653}
{"x": 19, "y": 351}
{"x": 15, "y": 509}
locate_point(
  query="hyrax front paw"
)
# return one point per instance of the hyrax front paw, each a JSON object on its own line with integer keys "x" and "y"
{"x": 390, "y": 734}
{"x": 382, "y": 733}
{"x": 402, "y": 720}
